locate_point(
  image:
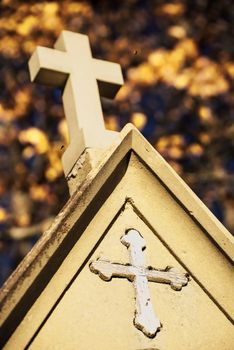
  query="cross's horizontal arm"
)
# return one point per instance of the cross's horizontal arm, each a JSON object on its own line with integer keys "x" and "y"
{"x": 170, "y": 276}
{"x": 106, "y": 270}
{"x": 50, "y": 67}
{"x": 109, "y": 77}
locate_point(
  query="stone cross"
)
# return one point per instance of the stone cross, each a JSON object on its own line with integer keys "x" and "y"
{"x": 145, "y": 318}
{"x": 71, "y": 67}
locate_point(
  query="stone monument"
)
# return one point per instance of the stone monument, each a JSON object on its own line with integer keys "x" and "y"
{"x": 134, "y": 260}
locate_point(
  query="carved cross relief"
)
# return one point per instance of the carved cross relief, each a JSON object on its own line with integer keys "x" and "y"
{"x": 145, "y": 318}
{"x": 83, "y": 79}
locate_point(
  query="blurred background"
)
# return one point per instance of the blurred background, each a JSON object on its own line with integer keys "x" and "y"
{"x": 178, "y": 64}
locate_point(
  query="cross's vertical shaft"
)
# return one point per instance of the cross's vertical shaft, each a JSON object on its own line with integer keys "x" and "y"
{"x": 81, "y": 100}
{"x": 145, "y": 318}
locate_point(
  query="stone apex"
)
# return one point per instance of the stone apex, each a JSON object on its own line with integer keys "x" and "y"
{"x": 130, "y": 148}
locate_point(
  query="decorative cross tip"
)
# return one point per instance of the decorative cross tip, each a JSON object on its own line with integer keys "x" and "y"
{"x": 133, "y": 237}
{"x": 178, "y": 279}
{"x": 136, "y": 272}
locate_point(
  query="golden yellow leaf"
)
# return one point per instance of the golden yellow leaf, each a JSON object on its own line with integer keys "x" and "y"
{"x": 204, "y": 138}
{"x": 177, "y": 32}
{"x": 39, "y": 192}
{"x": 63, "y": 131}
{"x": 189, "y": 47}
{"x": 162, "y": 143}
{"x": 205, "y": 113}
{"x": 172, "y": 9}
{"x": 50, "y": 8}
{"x": 175, "y": 152}
{"x": 3, "y": 215}
{"x": 111, "y": 123}
{"x": 78, "y": 7}
{"x": 23, "y": 220}
{"x": 144, "y": 74}
{"x": 55, "y": 166}
{"x": 51, "y": 174}
{"x": 28, "y": 24}
{"x": 28, "y": 152}
{"x": 158, "y": 58}
{"x": 183, "y": 79}
{"x": 139, "y": 120}
{"x": 208, "y": 79}
{"x": 124, "y": 92}
{"x": 28, "y": 46}
{"x": 36, "y": 137}
{"x": 177, "y": 140}
{"x": 229, "y": 67}
{"x": 9, "y": 46}
{"x": 195, "y": 149}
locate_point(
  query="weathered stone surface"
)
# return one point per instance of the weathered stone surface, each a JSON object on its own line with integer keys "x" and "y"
{"x": 54, "y": 301}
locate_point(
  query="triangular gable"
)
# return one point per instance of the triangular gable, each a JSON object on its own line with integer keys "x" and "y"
{"x": 132, "y": 153}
